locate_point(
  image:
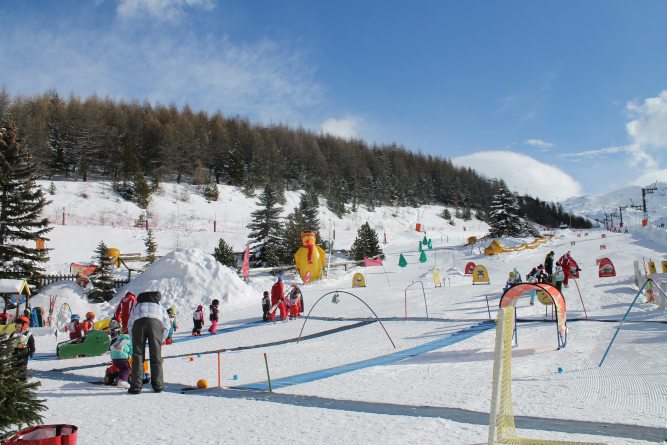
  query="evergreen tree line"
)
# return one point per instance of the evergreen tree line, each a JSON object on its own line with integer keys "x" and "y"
{"x": 135, "y": 144}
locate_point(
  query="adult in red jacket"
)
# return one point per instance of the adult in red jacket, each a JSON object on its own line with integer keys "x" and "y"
{"x": 124, "y": 309}
{"x": 570, "y": 267}
{"x": 277, "y": 294}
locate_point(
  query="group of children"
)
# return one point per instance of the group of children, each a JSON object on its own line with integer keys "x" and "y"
{"x": 198, "y": 318}
{"x": 566, "y": 267}
{"x": 289, "y": 305}
{"x": 78, "y": 329}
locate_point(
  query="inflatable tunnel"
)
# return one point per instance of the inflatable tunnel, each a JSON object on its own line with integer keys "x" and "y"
{"x": 496, "y": 247}
{"x": 547, "y": 294}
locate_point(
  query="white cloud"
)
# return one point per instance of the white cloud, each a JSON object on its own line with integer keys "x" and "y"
{"x": 168, "y": 10}
{"x": 265, "y": 81}
{"x": 648, "y": 129}
{"x": 523, "y": 174}
{"x": 539, "y": 143}
{"x": 347, "y": 127}
{"x": 650, "y": 177}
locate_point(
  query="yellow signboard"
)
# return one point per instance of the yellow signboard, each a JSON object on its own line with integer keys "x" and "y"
{"x": 436, "y": 277}
{"x": 480, "y": 275}
{"x": 358, "y": 280}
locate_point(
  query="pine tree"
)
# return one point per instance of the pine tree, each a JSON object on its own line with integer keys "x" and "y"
{"x": 503, "y": 217}
{"x": 19, "y": 406}
{"x": 366, "y": 245}
{"x": 446, "y": 215}
{"x": 295, "y": 225}
{"x": 102, "y": 279}
{"x": 130, "y": 182}
{"x": 266, "y": 231}
{"x": 467, "y": 214}
{"x": 151, "y": 247}
{"x": 21, "y": 206}
{"x": 309, "y": 207}
{"x": 225, "y": 255}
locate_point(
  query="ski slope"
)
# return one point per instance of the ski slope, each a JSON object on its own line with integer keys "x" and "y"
{"x": 345, "y": 382}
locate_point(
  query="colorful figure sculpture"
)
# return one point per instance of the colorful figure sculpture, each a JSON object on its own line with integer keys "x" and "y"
{"x": 309, "y": 258}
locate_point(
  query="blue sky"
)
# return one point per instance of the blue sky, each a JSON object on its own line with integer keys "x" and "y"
{"x": 557, "y": 98}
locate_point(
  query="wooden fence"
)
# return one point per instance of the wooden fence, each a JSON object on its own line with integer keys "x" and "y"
{"x": 40, "y": 281}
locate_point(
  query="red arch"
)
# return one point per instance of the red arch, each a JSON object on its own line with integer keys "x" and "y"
{"x": 511, "y": 296}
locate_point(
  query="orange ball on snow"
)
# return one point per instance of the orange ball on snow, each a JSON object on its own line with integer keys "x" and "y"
{"x": 202, "y": 383}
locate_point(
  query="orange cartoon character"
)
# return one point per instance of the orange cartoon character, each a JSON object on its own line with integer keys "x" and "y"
{"x": 309, "y": 258}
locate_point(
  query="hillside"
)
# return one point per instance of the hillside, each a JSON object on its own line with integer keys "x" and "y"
{"x": 595, "y": 206}
{"x": 181, "y": 218}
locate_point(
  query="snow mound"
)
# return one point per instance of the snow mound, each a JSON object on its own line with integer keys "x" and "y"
{"x": 68, "y": 292}
{"x": 190, "y": 277}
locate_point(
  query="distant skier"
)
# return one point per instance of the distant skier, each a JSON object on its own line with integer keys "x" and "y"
{"x": 558, "y": 278}
{"x": 198, "y": 321}
{"x": 173, "y": 326}
{"x": 213, "y": 316}
{"x": 570, "y": 267}
{"x": 549, "y": 264}
{"x": 266, "y": 305}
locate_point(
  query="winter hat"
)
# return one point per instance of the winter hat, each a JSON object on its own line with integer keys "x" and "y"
{"x": 540, "y": 267}
{"x": 512, "y": 274}
{"x": 280, "y": 278}
{"x": 266, "y": 293}
{"x": 200, "y": 307}
{"x": 215, "y": 302}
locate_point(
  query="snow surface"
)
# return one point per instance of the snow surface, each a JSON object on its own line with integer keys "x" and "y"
{"x": 630, "y": 389}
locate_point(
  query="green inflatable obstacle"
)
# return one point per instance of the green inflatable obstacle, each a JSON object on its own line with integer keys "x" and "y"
{"x": 93, "y": 344}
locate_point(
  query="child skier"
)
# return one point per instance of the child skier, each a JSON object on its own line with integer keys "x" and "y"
{"x": 121, "y": 351}
{"x": 89, "y": 322}
{"x": 510, "y": 281}
{"x": 115, "y": 329}
{"x": 24, "y": 346}
{"x": 213, "y": 316}
{"x": 266, "y": 305}
{"x": 294, "y": 305}
{"x": 558, "y": 278}
{"x": 74, "y": 328}
{"x": 172, "y": 325}
{"x": 198, "y": 321}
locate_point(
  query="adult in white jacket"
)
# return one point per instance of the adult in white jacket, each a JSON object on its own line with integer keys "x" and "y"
{"x": 149, "y": 322}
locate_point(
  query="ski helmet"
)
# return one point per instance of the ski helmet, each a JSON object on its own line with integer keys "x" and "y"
{"x": 74, "y": 317}
{"x": 172, "y": 310}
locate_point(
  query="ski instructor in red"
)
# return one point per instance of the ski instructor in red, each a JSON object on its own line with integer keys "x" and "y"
{"x": 277, "y": 293}
{"x": 124, "y": 310}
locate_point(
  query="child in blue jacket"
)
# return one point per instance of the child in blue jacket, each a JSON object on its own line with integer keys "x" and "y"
{"x": 121, "y": 351}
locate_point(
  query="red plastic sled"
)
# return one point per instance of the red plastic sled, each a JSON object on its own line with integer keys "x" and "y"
{"x": 46, "y": 435}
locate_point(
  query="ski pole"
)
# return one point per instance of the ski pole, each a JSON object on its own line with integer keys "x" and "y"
{"x": 266, "y": 362}
{"x": 580, "y": 298}
{"x": 219, "y": 385}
